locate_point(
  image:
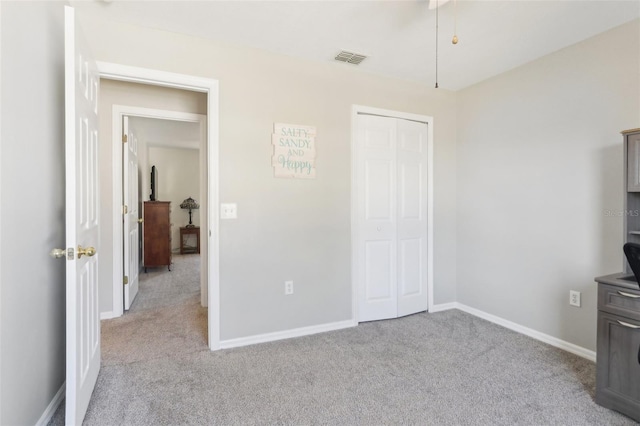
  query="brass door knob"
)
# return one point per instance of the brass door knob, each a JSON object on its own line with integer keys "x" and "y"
{"x": 58, "y": 253}
{"x": 140, "y": 220}
{"x": 88, "y": 251}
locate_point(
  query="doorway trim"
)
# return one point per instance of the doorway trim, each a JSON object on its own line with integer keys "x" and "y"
{"x": 355, "y": 111}
{"x": 210, "y": 87}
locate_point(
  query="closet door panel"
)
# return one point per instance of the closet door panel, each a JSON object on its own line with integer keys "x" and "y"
{"x": 377, "y": 247}
{"x": 411, "y": 230}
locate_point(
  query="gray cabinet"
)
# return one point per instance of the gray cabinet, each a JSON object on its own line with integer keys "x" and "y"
{"x": 631, "y": 210}
{"x": 618, "y": 367}
{"x": 618, "y": 343}
{"x": 632, "y": 142}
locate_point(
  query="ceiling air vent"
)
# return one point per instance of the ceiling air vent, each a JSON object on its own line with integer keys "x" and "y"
{"x": 350, "y": 57}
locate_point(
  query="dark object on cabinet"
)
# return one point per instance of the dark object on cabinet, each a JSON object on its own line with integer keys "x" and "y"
{"x": 154, "y": 184}
{"x": 157, "y": 234}
{"x": 632, "y": 252}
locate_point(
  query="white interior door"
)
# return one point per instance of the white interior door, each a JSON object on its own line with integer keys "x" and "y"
{"x": 376, "y": 211}
{"x": 412, "y": 216}
{"x": 81, "y": 127}
{"x": 391, "y": 211}
{"x": 131, "y": 226}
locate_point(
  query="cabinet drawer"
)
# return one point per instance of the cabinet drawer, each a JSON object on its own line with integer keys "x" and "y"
{"x": 618, "y": 366}
{"x": 619, "y": 301}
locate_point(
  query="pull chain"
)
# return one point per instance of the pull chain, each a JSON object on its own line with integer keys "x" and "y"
{"x": 437, "y": 7}
{"x": 454, "y": 40}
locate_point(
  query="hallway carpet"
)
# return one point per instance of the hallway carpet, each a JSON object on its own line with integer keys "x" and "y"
{"x": 447, "y": 368}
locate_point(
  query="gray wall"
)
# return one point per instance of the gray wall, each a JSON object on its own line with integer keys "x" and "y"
{"x": 539, "y": 163}
{"x": 137, "y": 95}
{"x": 32, "y": 311}
{"x": 290, "y": 229}
{"x": 178, "y": 178}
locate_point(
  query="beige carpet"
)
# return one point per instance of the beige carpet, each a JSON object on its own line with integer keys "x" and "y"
{"x": 447, "y": 368}
{"x": 165, "y": 318}
{"x": 160, "y": 287}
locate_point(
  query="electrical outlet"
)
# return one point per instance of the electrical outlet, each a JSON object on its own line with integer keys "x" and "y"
{"x": 288, "y": 287}
{"x": 574, "y": 298}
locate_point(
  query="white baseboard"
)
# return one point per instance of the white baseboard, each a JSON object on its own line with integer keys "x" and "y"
{"x": 305, "y": 331}
{"x": 553, "y": 341}
{"x": 287, "y": 334}
{"x": 443, "y": 307}
{"x": 52, "y": 407}
{"x": 106, "y": 315}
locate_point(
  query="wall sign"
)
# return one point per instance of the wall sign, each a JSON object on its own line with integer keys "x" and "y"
{"x": 294, "y": 151}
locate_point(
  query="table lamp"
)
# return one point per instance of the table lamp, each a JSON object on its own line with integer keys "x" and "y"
{"x": 190, "y": 204}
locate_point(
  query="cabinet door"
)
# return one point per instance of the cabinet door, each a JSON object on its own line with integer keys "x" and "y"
{"x": 633, "y": 162}
{"x": 618, "y": 366}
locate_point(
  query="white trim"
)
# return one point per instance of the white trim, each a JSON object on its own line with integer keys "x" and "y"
{"x": 430, "y": 215}
{"x": 286, "y": 334}
{"x": 62, "y": 308}
{"x": 354, "y": 217}
{"x": 155, "y": 77}
{"x": 117, "y": 307}
{"x": 209, "y": 86}
{"x": 203, "y": 158}
{"x": 159, "y": 114}
{"x": 107, "y": 315}
{"x": 553, "y": 341}
{"x": 52, "y": 407}
{"x": 442, "y": 307}
{"x": 359, "y": 109}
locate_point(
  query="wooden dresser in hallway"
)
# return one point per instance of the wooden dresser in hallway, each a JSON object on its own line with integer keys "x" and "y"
{"x": 157, "y": 234}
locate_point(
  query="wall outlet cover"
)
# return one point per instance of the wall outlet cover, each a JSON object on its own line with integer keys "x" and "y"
{"x": 288, "y": 287}
{"x": 228, "y": 211}
{"x": 574, "y": 298}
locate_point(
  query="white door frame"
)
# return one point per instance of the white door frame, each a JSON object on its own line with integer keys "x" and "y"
{"x": 211, "y": 242}
{"x": 360, "y": 109}
{"x": 124, "y": 110}
{"x": 1, "y": 210}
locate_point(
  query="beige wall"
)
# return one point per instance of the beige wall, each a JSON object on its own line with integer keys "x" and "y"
{"x": 32, "y": 205}
{"x": 290, "y": 229}
{"x": 178, "y": 178}
{"x": 539, "y": 162}
{"x": 136, "y": 95}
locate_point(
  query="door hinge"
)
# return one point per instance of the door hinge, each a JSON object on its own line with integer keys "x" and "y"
{"x": 125, "y": 280}
{"x": 125, "y": 209}
{"x": 124, "y": 138}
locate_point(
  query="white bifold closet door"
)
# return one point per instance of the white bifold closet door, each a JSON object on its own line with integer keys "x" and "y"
{"x": 391, "y": 246}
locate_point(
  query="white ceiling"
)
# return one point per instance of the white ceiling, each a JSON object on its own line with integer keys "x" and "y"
{"x": 398, "y": 36}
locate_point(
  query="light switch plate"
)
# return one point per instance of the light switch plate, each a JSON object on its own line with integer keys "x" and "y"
{"x": 228, "y": 211}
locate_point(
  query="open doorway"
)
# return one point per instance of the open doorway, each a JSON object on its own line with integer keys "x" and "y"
{"x": 208, "y": 195}
{"x": 163, "y": 166}
{"x": 164, "y": 311}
